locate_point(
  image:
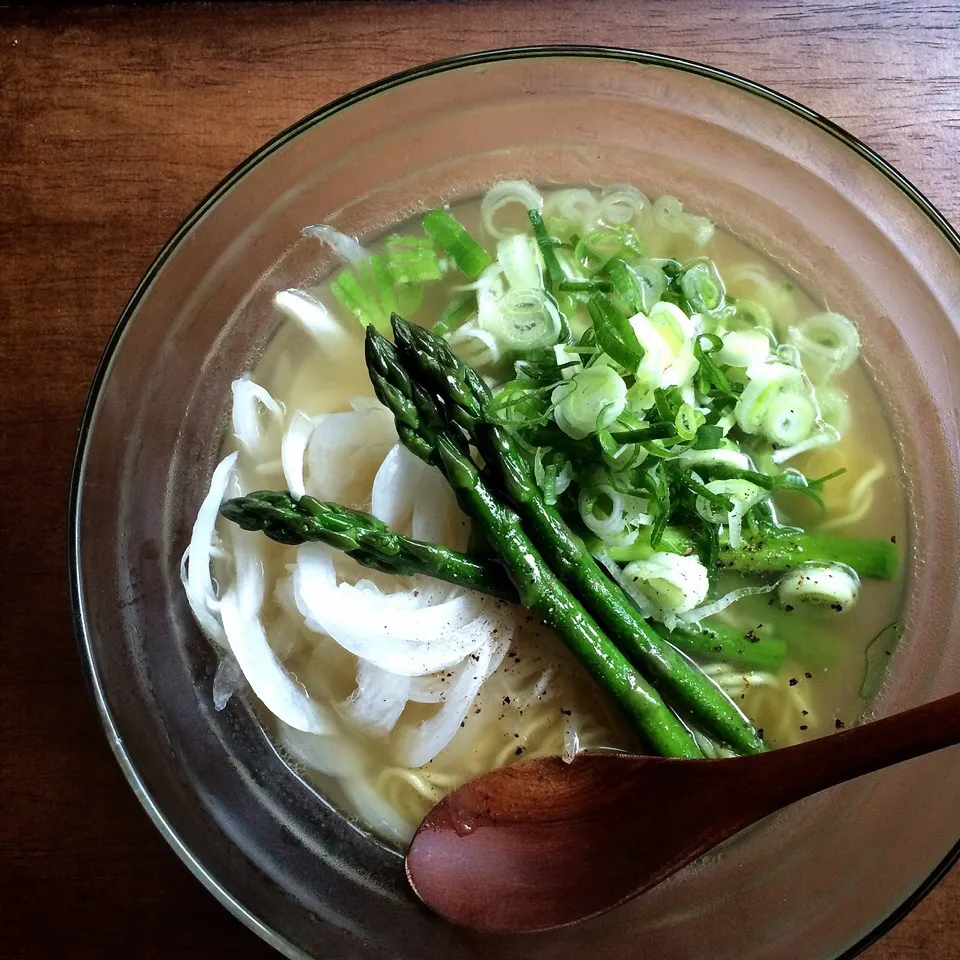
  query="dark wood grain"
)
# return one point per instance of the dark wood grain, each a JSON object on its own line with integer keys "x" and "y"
{"x": 113, "y": 123}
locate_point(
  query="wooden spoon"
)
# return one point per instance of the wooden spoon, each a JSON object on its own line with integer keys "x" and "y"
{"x": 547, "y": 842}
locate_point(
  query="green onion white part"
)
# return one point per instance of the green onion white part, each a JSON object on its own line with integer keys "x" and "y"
{"x": 671, "y": 583}
{"x": 590, "y": 401}
{"x": 833, "y": 586}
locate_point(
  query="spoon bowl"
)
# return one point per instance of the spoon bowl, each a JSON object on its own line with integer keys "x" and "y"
{"x": 548, "y": 842}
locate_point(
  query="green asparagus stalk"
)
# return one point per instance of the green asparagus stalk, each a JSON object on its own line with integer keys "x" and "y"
{"x": 743, "y": 649}
{"x": 372, "y": 543}
{"x": 464, "y": 395}
{"x": 365, "y": 538}
{"x": 423, "y": 432}
{"x": 775, "y": 549}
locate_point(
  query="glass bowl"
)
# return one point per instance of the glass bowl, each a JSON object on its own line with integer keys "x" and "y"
{"x": 814, "y": 882}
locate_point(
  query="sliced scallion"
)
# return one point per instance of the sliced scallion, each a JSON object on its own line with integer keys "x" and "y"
{"x": 449, "y": 234}
{"x": 614, "y": 333}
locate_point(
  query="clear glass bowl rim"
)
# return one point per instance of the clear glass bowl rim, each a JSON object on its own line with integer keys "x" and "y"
{"x": 274, "y": 144}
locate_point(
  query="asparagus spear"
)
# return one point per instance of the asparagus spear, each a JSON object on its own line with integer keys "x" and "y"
{"x": 464, "y": 396}
{"x": 775, "y": 549}
{"x": 424, "y": 433}
{"x": 740, "y": 648}
{"x": 365, "y": 538}
{"x": 371, "y": 542}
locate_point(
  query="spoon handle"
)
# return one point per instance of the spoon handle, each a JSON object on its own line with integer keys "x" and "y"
{"x": 811, "y": 767}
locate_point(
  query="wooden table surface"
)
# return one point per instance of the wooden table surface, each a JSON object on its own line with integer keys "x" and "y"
{"x": 114, "y": 122}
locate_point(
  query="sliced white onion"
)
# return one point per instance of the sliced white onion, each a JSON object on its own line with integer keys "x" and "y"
{"x": 375, "y": 627}
{"x": 249, "y": 402}
{"x": 421, "y": 744}
{"x": 195, "y": 566}
{"x": 374, "y": 810}
{"x": 709, "y": 609}
{"x": 330, "y": 754}
{"x": 378, "y": 700}
{"x": 344, "y": 452}
{"x": 503, "y": 194}
{"x": 395, "y": 487}
{"x": 240, "y": 611}
{"x": 315, "y": 318}
{"x": 226, "y": 682}
{"x": 361, "y": 403}
{"x": 432, "y": 688}
{"x": 293, "y": 448}
{"x": 437, "y": 517}
{"x": 346, "y": 247}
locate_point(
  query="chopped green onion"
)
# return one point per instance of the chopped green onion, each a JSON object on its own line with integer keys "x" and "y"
{"x": 743, "y": 348}
{"x": 518, "y": 403}
{"x": 753, "y": 314}
{"x": 767, "y": 381}
{"x": 591, "y": 400}
{"x": 673, "y": 583}
{"x": 708, "y": 437}
{"x": 456, "y": 312}
{"x": 702, "y": 286}
{"x": 832, "y": 585}
{"x": 710, "y": 378}
{"x": 547, "y": 245}
{"x": 528, "y": 319}
{"x": 640, "y": 285}
{"x": 370, "y": 293}
{"x": 447, "y": 232}
{"x": 585, "y": 286}
{"x": 517, "y": 256}
{"x": 668, "y": 402}
{"x": 614, "y": 333}
{"x": 688, "y": 421}
{"x": 412, "y": 259}
{"x": 828, "y": 343}
{"x": 653, "y": 431}
{"x": 789, "y": 419}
